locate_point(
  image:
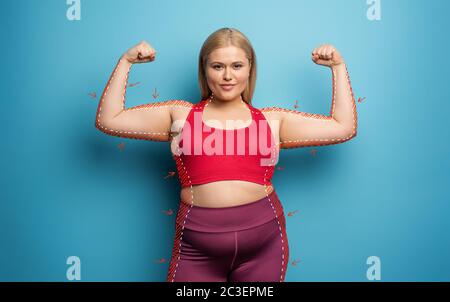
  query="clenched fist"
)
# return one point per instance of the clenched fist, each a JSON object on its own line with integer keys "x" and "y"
{"x": 140, "y": 53}
{"x": 326, "y": 55}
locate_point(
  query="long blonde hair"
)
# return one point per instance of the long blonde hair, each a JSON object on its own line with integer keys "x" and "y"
{"x": 225, "y": 37}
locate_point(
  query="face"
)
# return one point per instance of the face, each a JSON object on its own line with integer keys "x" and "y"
{"x": 228, "y": 65}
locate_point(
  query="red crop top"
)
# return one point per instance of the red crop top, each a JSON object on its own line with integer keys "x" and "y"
{"x": 206, "y": 154}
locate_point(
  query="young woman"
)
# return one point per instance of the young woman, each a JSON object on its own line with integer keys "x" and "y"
{"x": 230, "y": 224}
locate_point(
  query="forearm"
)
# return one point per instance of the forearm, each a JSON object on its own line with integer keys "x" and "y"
{"x": 112, "y": 101}
{"x": 343, "y": 108}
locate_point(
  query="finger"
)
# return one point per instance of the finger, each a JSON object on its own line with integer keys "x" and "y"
{"x": 322, "y": 52}
{"x": 143, "y": 56}
{"x": 328, "y": 52}
{"x": 147, "y": 50}
{"x": 146, "y": 53}
{"x": 323, "y": 62}
{"x": 141, "y": 53}
{"x": 332, "y": 50}
{"x": 144, "y": 60}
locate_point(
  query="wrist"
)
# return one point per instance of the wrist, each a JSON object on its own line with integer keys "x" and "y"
{"x": 123, "y": 58}
{"x": 339, "y": 65}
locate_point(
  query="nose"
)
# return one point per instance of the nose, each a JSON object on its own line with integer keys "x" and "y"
{"x": 227, "y": 75}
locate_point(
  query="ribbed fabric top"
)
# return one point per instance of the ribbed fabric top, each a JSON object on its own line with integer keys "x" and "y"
{"x": 207, "y": 154}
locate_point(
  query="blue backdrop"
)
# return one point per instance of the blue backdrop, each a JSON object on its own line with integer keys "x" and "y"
{"x": 67, "y": 189}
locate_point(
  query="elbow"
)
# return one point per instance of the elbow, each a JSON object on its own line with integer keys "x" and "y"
{"x": 354, "y": 129}
{"x": 102, "y": 126}
{"x": 347, "y": 134}
{"x": 98, "y": 123}
{"x": 348, "y": 131}
{"x": 352, "y": 134}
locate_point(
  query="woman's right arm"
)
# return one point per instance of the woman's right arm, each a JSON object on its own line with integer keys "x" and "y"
{"x": 149, "y": 121}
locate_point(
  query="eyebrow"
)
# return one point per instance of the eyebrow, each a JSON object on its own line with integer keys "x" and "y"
{"x": 222, "y": 63}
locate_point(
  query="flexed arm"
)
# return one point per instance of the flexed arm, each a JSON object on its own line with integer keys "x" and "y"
{"x": 300, "y": 129}
{"x": 150, "y": 121}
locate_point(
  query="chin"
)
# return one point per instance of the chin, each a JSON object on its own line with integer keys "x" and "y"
{"x": 228, "y": 97}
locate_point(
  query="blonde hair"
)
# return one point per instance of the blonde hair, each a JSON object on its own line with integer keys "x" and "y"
{"x": 225, "y": 37}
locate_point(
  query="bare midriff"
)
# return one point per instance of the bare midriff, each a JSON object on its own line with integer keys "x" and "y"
{"x": 224, "y": 193}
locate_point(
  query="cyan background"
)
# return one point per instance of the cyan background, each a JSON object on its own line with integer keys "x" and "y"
{"x": 67, "y": 189}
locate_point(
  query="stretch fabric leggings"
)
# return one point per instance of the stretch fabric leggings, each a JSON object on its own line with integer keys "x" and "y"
{"x": 245, "y": 243}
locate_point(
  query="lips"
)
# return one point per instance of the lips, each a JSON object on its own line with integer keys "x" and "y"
{"x": 227, "y": 87}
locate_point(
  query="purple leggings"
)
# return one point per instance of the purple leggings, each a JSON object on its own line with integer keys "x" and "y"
{"x": 245, "y": 243}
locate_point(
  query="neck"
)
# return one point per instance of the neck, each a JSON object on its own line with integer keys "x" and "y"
{"x": 237, "y": 102}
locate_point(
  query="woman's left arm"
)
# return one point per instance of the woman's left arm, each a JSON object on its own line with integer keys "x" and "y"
{"x": 300, "y": 129}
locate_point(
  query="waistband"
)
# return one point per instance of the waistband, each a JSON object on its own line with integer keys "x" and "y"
{"x": 228, "y": 219}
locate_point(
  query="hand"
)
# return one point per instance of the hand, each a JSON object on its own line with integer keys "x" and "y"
{"x": 327, "y": 55}
{"x": 140, "y": 53}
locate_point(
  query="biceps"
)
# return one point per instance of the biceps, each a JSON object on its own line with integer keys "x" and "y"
{"x": 150, "y": 121}
{"x": 299, "y": 129}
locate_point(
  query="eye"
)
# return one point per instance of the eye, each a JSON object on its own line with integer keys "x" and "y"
{"x": 237, "y": 65}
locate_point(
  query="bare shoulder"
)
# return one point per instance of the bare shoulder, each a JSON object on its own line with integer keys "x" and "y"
{"x": 279, "y": 113}
{"x": 179, "y": 108}
{"x": 272, "y": 113}
{"x": 179, "y": 104}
